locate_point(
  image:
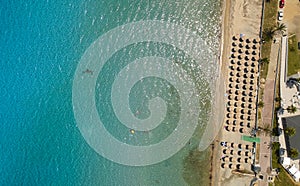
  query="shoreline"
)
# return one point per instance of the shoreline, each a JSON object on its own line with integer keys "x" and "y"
{"x": 226, "y": 6}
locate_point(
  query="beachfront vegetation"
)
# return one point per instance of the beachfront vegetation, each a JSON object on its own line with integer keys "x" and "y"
{"x": 294, "y": 153}
{"x": 293, "y": 56}
{"x": 278, "y": 99}
{"x": 280, "y": 27}
{"x": 261, "y": 104}
{"x": 270, "y": 32}
{"x": 270, "y": 15}
{"x": 290, "y": 131}
{"x": 283, "y": 178}
{"x": 264, "y": 60}
{"x": 291, "y": 109}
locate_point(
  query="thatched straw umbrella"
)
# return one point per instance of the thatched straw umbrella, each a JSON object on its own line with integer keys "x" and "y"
{"x": 247, "y": 52}
{"x": 250, "y": 100}
{"x": 243, "y": 105}
{"x": 224, "y": 165}
{"x": 235, "y": 104}
{"x": 239, "y": 153}
{"x": 234, "y": 44}
{"x": 253, "y": 58}
{"x": 250, "y": 106}
{"x": 246, "y": 57}
{"x": 241, "y": 130}
{"x": 243, "y": 100}
{"x": 244, "y": 87}
{"x": 248, "y": 40}
{"x": 247, "y": 153}
{"x": 242, "y": 117}
{"x": 232, "y": 145}
{"x": 229, "y": 115}
{"x": 234, "y": 38}
{"x": 239, "y": 167}
{"x": 231, "y": 79}
{"x": 247, "y": 147}
{"x": 232, "y": 62}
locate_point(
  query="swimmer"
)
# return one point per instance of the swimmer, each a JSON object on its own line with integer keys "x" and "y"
{"x": 88, "y": 71}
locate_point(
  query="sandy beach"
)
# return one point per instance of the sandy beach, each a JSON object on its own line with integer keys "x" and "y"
{"x": 238, "y": 17}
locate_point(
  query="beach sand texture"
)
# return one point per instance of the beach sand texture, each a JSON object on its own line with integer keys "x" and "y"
{"x": 239, "y": 17}
{"x": 292, "y": 17}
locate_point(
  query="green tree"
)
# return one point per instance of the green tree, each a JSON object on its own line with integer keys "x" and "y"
{"x": 269, "y": 33}
{"x": 291, "y": 109}
{"x": 280, "y": 27}
{"x": 264, "y": 61}
{"x": 294, "y": 153}
{"x": 290, "y": 131}
{"x": 260, "y": 104}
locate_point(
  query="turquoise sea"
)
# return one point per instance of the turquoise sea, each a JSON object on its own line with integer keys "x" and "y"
{"x": 42, "y": 43}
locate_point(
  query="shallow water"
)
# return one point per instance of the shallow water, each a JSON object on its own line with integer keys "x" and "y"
{"x": 42, "y": 45}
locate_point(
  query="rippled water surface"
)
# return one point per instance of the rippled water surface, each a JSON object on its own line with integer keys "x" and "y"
{"x": 160, "y": 86}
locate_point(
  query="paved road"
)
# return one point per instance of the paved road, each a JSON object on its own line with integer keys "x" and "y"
{"x": 268, "y": 99}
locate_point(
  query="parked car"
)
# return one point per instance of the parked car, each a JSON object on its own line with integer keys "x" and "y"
{"x": 281, "y": 3}
{"x": 280, "y": 15}
{"x": 299, "y": 45}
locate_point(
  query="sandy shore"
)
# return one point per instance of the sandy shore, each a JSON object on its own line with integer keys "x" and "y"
{"x": 292, "y": 17}
{"x": 239, "y": 16}
{"x": 223, "y": 53}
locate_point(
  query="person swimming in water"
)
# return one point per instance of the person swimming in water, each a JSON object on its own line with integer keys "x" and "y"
{"x": 88, "y": 71}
